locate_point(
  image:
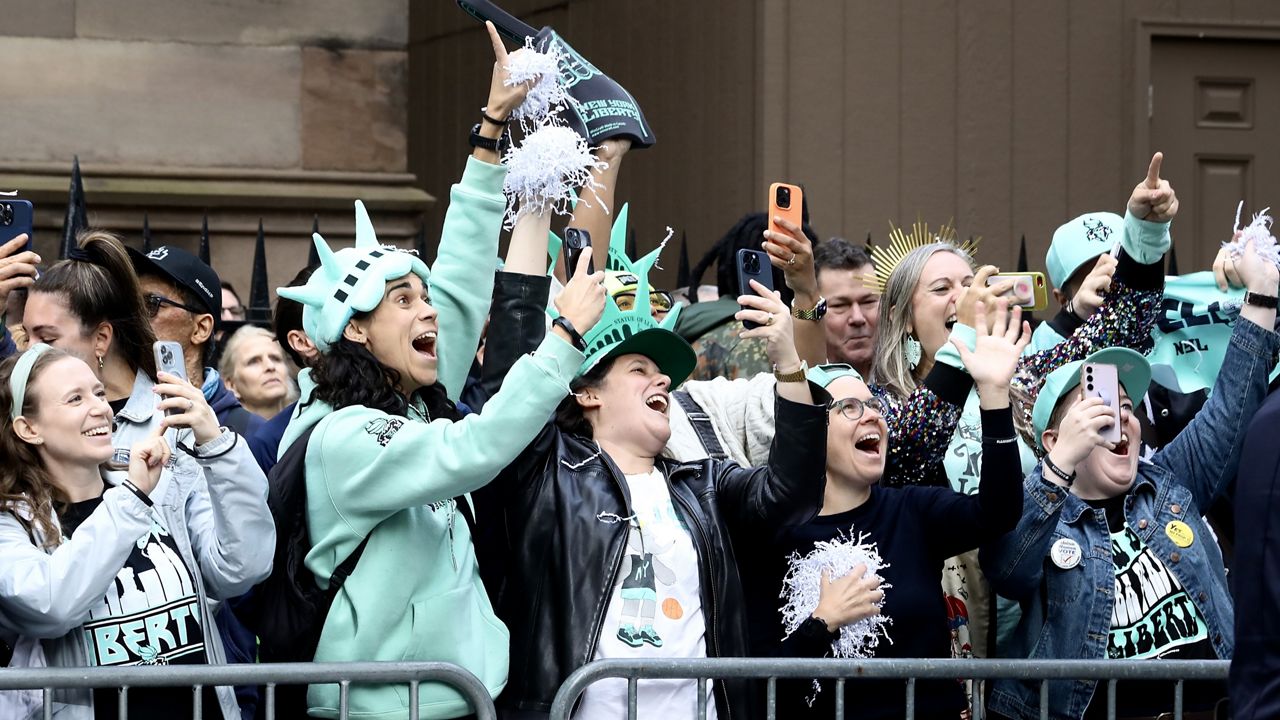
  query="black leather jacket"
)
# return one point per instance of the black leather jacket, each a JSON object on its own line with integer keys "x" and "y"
{"x": 559, "y": 503}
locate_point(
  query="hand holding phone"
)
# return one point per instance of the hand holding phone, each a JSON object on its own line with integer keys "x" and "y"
{"x": 169, "y": 359}
{"x": 1029, "y": 290}
{"x": 753, "y": 265}
{"x": 1101, "y": 380}
{"x": 787, "y": 201}
{"x": 575, "y": 243}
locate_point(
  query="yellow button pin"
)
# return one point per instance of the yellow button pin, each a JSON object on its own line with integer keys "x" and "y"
{"x": 1180, "y": 533}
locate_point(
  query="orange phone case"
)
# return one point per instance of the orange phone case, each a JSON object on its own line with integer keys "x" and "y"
{"x": 794, "y": 211}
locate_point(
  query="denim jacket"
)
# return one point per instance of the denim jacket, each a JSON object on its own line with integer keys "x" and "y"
{"x": 1067, "y": 613}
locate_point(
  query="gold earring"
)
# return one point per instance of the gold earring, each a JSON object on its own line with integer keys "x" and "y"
{"x": 101, "y": 363}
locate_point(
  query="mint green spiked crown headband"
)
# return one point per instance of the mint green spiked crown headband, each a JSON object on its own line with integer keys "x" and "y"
{"x": 350, "y": 281}
{"x": 621, "y": 332}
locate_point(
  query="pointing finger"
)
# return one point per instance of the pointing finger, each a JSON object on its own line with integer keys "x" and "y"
{"x": 499, "y": 50}
{"x": 1153, "y": 172}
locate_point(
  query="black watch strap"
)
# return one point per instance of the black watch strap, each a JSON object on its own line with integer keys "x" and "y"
{"x": 488, "y": 143}
{"x": 1259, "y": 300}
{"x": 563, "y": 323}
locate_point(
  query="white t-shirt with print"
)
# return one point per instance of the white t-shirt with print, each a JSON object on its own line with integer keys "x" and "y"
{"x": 655, "y": 611}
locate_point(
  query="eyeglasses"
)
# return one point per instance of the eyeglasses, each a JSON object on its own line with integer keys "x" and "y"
{"x": 659, "y": 301}
{"x": 853, "y": 408}
{"x": 153, "y": 303}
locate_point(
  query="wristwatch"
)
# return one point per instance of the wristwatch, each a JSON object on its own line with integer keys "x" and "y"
{"x": 1260, "y": 300}
{"x": 813, "y": 315}
{"x": 800, "y": 375}
{"x": 498, "y": 144}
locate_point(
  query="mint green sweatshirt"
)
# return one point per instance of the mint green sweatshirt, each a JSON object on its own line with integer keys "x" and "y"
{"x": 416, "y": 593}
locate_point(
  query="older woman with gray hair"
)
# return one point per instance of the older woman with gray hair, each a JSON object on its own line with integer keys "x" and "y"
{"x": 253, "y": 367}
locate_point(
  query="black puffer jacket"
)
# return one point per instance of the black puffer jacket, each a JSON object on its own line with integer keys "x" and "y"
{"x": 559, "y": 503}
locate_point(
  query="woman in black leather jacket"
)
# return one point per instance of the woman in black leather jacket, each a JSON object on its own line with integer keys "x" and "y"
{"x": 613, "y": 551}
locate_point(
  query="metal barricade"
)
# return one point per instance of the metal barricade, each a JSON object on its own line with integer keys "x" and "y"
{"x": 909, "y": 671}
{"x": 197, "y": 677}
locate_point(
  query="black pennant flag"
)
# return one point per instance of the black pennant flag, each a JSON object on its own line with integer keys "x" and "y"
{"x": 259, "y": 294}
{"x": 682, "y": 271}
{"x": 1173, "y": 259}
{"x": 313, "y": 255}
{"x": 77, "y": 215}
{"x": 631, "y": 244}
{"x": 1022, "y": 254}
{"x": 146, "y": 233}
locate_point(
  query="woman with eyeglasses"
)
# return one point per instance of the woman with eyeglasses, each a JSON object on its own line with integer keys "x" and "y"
{"x": 915, "y": 529}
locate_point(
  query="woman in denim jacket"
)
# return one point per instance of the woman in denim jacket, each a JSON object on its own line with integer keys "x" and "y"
{"x": 1111, "y": 557}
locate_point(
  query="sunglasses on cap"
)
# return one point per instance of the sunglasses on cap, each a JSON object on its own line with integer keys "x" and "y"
{"x": 659, "y": 300}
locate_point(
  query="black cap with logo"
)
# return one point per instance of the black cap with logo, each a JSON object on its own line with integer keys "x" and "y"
{"x": 186, "y": 270}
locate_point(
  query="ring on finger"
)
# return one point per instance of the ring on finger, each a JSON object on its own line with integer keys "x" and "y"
{"x": 770, "y": 320}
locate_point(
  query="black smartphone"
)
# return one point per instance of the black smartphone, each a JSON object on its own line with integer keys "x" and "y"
{"x": 753, "y": 265}
{"x": 16, "y": 218}
{"x": 575, "y": 242}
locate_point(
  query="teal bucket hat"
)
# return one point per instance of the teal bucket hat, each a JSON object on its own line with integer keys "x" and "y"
{"x": 1132, "y": 368}
{"x": 1079, "y": 241}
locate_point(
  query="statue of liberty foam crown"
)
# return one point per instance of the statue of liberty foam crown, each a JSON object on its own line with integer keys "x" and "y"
{"x": 349, "y": 281}
{"x": 621, "y": 332}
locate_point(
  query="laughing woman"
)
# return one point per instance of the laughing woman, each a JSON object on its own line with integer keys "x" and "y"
{"x": 90, "y": 553}
{"x": 617, "y": 552}
{"x": 914, "y": 528}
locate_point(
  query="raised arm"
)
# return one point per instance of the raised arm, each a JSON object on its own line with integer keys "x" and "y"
{"x": 595, "y": 207}
{"x": 792, "y": 252}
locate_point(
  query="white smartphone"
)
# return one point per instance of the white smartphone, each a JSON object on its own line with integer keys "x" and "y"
{"x": 1101, "y": 380}
{"x": 169, "y": 359}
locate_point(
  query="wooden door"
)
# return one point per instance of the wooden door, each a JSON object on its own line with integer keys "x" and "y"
{"x": 1214, "y": 109}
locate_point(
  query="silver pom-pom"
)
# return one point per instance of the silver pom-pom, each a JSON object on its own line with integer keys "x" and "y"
{"x": 546, "y": 92}
{"x": 543, "y": 171}
{"x": 1257, "y": 232}
{"x": 802, "y": 587}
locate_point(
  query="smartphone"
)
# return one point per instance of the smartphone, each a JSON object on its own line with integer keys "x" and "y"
{"x": 1029, "y": 290}
{"x": 1100, "y": 380}
{"x": 16, "y": 218}
{"x": 753, "y": 265}
{"x": 169, "y": 359}
{"x": 575, "y": 242}
{"x": 787, "y": 201}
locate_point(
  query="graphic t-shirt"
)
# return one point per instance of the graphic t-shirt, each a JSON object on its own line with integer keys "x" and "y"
{"x": 150, "y": 615}
{"x": 655, "y": 610}
{"x": 1153, "y": 617}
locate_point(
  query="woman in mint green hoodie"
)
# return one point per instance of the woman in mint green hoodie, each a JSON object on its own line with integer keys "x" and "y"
{"x": 389, "y": 458}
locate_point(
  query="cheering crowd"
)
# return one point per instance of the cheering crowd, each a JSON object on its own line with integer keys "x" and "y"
{"x": 523, "y": 471}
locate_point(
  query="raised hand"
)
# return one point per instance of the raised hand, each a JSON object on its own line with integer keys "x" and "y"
{"x": 17, "y": 269}
{"x": 847, "y": 600}
{"x": 1095, "y": 285}
{"x": 774, "y": 319}
{"x": 1256, "y": 272}
{"x": 1080, "y": 432}
{"x": 147, "y": 459}
{"x": 1225, "y": 272}
{"x": 191, "y": 409}
{"x": 503, "y": 98}
{"x": 791, "y": 252}
{"x": 582, "y": 300}
{"x": 994, "y": 359}
{"x": 978, "y": 292}
{"x": 1153, "y": 199}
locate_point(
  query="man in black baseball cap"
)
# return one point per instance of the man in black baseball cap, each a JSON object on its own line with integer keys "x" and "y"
{"x": 183, "y": 296}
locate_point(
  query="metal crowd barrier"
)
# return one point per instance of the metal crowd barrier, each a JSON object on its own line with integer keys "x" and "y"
{"x": 842, "y": 671}
{"x": 198, "y": 677}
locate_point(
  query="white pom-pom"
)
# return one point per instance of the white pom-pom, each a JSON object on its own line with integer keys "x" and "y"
{"x": 801, "y": 589}
{"x": 542, "y": 71}
{"x": 1257, "y": 232}
{"x": 544, "y": 169}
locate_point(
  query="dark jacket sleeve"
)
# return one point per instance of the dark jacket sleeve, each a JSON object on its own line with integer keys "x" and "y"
{"x": 959, "y": 523}
{"x": 7, "y": 345}
{"x": 921, "y": 426}
{"x": 517, "y": 324}
{"x": 789, "y": 490}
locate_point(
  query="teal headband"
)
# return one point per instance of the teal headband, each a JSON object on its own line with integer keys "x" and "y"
{"x": 21, "y": 374}
{"x": 825, "y": 374}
